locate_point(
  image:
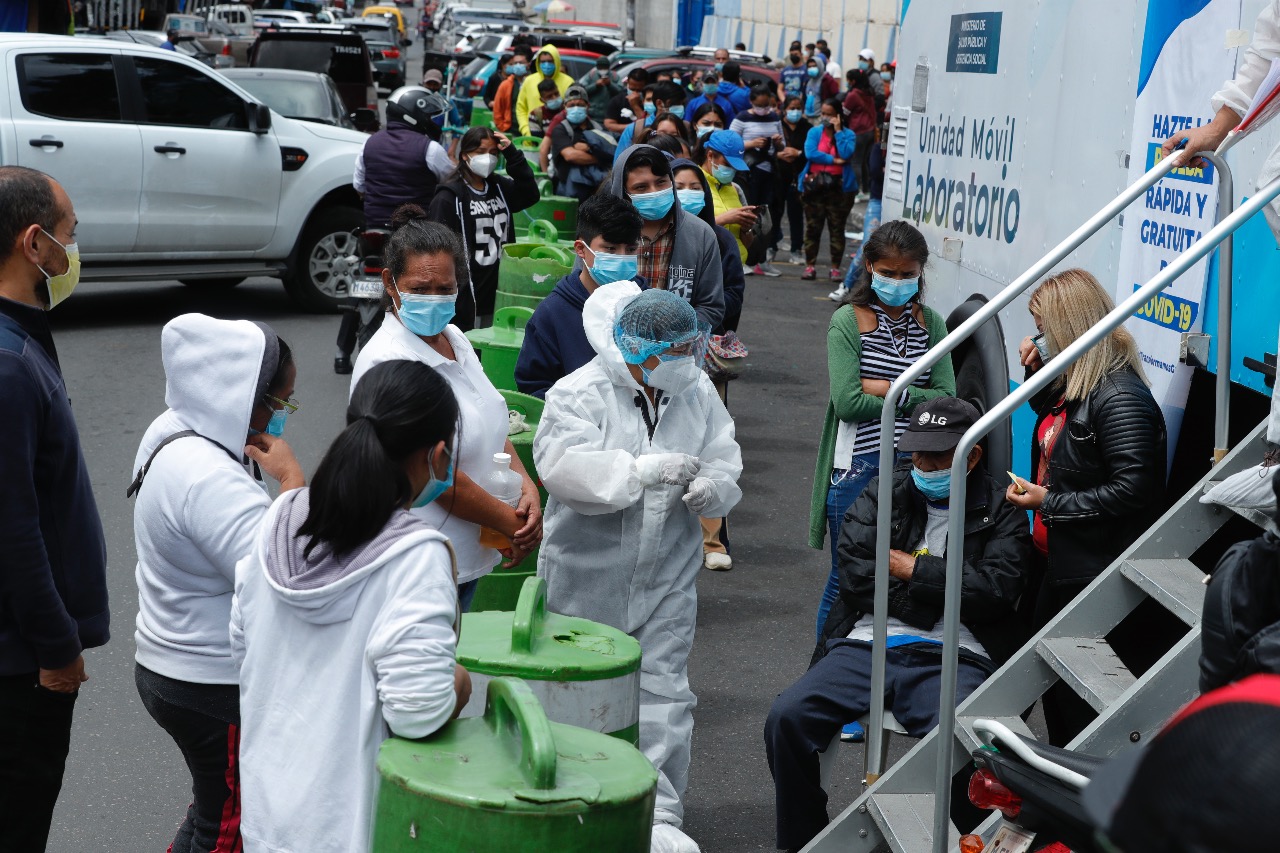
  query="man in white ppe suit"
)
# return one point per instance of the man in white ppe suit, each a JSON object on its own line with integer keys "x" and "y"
{"x": 1251, "y": 488}
{"x": 632, "y": 448}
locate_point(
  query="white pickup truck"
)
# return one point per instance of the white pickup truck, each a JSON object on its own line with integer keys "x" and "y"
{"x": 175, "y": 172}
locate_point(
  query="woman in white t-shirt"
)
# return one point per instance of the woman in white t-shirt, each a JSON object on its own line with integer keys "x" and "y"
{"x": 423, "y": 267}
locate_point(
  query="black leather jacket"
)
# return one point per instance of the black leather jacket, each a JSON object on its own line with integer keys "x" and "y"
{"x": 1106, "y": 476}
{"x": 997, "y": 558}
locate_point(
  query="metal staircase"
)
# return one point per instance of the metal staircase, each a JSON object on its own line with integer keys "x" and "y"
{"x": 905, "y": 809}
{"x": 897, "y": 812}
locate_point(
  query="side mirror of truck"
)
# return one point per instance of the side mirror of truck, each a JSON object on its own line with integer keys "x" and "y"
{"x": 259, "y": 118}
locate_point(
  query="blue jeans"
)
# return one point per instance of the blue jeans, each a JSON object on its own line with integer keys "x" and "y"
{"x": 467, "y": 592}
{"x": 870, "y": 223}
{"x": 845, "y": 488}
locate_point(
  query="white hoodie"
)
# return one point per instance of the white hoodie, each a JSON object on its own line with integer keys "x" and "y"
{"x": 333, "y": 653}
{"x": 198, "y": 510}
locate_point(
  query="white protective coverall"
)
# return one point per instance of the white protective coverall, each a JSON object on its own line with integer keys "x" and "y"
{"x": 628, "y": 556}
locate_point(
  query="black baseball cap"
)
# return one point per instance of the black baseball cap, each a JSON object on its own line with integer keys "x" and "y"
{"x": 938, "y": 425}
{"x": 1210, "y": 780}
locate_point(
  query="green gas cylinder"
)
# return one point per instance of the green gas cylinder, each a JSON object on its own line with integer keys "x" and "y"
{"x": 584, "y": 673}
{"x": 499, "y": 345}
{"x": 513, "y": 781}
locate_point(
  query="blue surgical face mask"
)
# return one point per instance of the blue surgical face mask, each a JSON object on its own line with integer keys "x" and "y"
{"x": 555, "y": 104}
{"x": 794, "y": 116}
{"x": 547, "y": 68}
{"x": 426, "y": 315}
{"x": 704, "y": 129}
{"x": 519, "y": 69}
{"x": 608, "y": 268}
{"x": 676, "y": 110}
{"x": 723, "y": 173}
{"x": 813, "y": 71}
{"x": 719, "y": 67}
{"x": 692, "y": 200}
{"x": 894, "y": 292}
{"x": 655, "y": 205}
{"x": 275, "y": 426}
{"x": 435, "y": 488}
{"x": 575, "y": 115}
{"x": 650, "y": 108}
{"x": 934, "y": 485}
{"x": 886, "y": 76}
{"x": 863, "y": 64}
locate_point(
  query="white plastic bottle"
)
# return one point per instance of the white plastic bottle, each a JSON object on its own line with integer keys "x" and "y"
{"x": 504, "y": 484}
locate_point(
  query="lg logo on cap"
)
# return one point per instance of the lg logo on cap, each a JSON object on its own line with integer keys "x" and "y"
{"x": 926, "y": 418}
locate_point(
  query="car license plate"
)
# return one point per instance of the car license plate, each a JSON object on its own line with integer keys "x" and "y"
{"x": 366, "y": 288}
{"x": 1011, "y": 839}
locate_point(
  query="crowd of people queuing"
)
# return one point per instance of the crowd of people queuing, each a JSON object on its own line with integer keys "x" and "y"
{"x": 339, "y": 600}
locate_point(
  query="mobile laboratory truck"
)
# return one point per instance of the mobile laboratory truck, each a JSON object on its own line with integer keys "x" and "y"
{"x": 1013, "y": 122}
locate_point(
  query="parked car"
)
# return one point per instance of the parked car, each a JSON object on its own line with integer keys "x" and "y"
{"x": 186, "y": 45}
{"x": 302, "y": 95}
{"x": 200, "y": 30}
{"x": 340, "y": 53}
{"x": 264, "y": 18}
{"x": 176, "y": 172}
{"x": 237, "y": 16}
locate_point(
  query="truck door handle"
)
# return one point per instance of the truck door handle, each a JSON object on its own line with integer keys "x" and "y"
{"x": 42, "y": 143}
{"x": 170, "y": 149}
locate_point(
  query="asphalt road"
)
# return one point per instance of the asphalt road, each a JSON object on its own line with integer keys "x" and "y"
{"x": 126, "y": 787}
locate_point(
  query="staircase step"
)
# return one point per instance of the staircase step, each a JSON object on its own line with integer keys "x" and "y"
{"x": 1090, "y": 666}
{"x": 1177, "y": 584}
{"x": 970, "y": 739}
{"x": 906, "y": 820}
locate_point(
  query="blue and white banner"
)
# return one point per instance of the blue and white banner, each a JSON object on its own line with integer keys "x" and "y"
{"x": 1183, "y": 65}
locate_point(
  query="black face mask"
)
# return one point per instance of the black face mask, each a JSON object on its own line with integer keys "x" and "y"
{"x": 795, "y": 59}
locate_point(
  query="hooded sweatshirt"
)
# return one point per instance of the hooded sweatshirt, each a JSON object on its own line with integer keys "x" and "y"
{"x": 555, "y": 343}
{"x": 528, "y": 99}
{"x": 336, "y": 653}
{"x": 198, "y": 511}
{"x": 819, "y": 89}
{"x": 694, "y": 272}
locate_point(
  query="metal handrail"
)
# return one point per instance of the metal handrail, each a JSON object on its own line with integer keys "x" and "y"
{"x": 1005, "y": 408}
{"x": 993, "y": 731}
{"x": 888, "y": 417}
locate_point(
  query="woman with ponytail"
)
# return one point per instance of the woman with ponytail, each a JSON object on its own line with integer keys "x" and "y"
{"x": 481, "y": 206}
{"x": 423, "y": 267}
{"x": 344, "y": 619}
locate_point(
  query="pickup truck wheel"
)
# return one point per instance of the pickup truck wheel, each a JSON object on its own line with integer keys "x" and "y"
{"x": 328, "y": 257}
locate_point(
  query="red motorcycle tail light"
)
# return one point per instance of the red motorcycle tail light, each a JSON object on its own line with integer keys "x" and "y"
{"x": 988, "y": 792}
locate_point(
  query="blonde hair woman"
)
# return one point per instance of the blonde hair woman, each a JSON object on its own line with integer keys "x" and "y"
{"x": 1098, "y": 458}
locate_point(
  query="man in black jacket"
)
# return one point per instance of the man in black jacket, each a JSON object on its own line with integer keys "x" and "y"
{"x": 837, "y": 687}
{"x": 53, "y": 585}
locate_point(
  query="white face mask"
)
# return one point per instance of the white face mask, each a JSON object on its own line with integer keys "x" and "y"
{"x": 482, "y": 164}
{"x": 675, "y": 376}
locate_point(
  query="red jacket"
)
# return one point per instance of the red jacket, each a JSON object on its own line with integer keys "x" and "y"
{"x": 860, "y": 111}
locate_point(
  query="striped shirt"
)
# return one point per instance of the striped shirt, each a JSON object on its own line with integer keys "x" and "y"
{"x": 750, "y": 126}
{"x": 887, "y": 351}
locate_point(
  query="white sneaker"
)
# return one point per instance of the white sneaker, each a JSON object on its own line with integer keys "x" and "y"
{"x": 797, "y": 258}
{"x": 837, "y": 294}
{"x": 767, "y": 269}
{"x": 747, "y": 270}
{"x": 669, "y": 839}
{"x": 717, "y": 562}
{"x": 770, "y": 255}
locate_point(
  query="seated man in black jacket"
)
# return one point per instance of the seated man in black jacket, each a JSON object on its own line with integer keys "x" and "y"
{"x": 837, "y": 687}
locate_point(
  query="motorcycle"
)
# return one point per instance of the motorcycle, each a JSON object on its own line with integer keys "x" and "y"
{"x": 364, "y": 308}
{"x": 1037, "y": 788}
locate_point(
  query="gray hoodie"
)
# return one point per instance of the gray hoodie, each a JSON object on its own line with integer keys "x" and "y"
{"x": 695, "y": 270}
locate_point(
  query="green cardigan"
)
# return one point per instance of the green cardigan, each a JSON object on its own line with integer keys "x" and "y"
{"x": 849, "y": 403}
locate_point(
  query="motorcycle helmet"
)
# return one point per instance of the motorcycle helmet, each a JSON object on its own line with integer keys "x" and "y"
{"x": 420, "y": 108}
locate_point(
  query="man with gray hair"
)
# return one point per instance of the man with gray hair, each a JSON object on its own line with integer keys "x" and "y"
{"x": 53, "y": 586}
